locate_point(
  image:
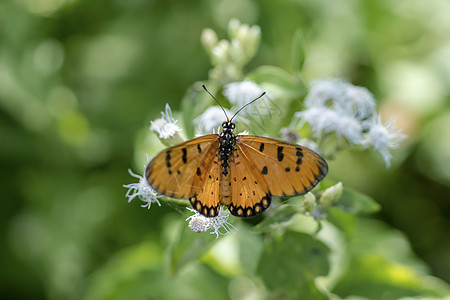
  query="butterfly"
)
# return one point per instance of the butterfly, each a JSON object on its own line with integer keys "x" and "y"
{"x": 242, "y": 172}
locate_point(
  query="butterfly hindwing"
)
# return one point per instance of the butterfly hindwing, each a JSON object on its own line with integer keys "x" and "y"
{"x": 249, "y": 194}
{"x": 285, "y": 169}
{"x": 206, "y": 185}
{"x": 183, "y": 171}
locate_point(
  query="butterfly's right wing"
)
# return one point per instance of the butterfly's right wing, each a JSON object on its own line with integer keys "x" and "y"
{"x": 189, "y": 170}
{"x": 265, "y": 167}
{"x": 250, "y": 194}
{"x": 288, "y": 169}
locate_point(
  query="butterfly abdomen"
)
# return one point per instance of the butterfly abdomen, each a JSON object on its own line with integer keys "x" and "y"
{"x": 227, "y": 144}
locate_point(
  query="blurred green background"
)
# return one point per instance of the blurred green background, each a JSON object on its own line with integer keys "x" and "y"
{"x": 80, "y": 79}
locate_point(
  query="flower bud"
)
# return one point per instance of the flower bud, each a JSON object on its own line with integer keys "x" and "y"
{"x": 331, "y": 195}
{"x": 209, "y": 39}
{"x": 309, "y": 203}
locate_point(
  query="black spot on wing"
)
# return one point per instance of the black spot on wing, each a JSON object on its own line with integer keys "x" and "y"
{"x": 280, "y": 154}
{"x": 184, "y": 157}
{"x": 264, "y": 170}
{"x": 168, "y": 157}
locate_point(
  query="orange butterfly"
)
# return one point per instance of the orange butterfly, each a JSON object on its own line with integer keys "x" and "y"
{"x": 242, "y": 172}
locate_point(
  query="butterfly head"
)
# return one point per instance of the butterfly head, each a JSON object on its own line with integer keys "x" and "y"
{"x": 228, "y": 126}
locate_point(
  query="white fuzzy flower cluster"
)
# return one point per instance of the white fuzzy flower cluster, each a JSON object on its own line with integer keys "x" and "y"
{"x": 166, "y": 127}
{"x": 239, "y": 94}
{"x": 230, "y": 56}
{"x": 142, "y": 190}
{"x": 382, "y": 137}
{"x": 338, "y": 107}
{"x": 210, "y": 120}
{"x": 200, "y": 223}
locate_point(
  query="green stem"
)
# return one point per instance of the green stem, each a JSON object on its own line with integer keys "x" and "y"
{"x": 175, "y": 201}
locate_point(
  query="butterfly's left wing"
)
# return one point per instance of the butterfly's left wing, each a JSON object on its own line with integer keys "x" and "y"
{"x": 189, "y": 170}
{"x": 271, "y": 168}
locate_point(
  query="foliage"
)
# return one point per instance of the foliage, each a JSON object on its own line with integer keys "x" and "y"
{"x": 79, "y": 81}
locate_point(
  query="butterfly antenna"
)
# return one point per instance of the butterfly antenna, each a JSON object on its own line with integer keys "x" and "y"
{"x": 248, "y": 104}
{"x": 204, "y": 87}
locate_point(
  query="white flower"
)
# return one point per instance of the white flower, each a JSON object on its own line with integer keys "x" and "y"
{"x": 289, "y": 134}
{"x": 337, "y": 106}
{"x": 210, "y": 120}
{"x": 166, "y": 126}
{"x": 309, "y": 144}
{"x": 357, "y": 101}
{"x": 382, "y": 137}
{"x": 241, "y": 93}
{"x": 348, "y": 127}
{"x": 324, "y": 120}
{"x": 341, "y": 96}
{"x": 142, "y": 190}
{"x": 200, "y": 223}
{"x": 323, "y": 92}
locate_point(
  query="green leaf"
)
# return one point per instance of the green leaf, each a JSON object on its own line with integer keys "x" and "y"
{"x": 250, "y": 249}
{"x": 197, "y": 282}
{"x": 186, "y": 246}
{"x": 356, "y": 203}
{"x": 280, "y": 218}
{"x": 342, "y": 220}
{"x": 132, "y": 273}
{"x": 138, "y": 273}
{"x": 381, "y": 265}
{"x": 291, "y": 262}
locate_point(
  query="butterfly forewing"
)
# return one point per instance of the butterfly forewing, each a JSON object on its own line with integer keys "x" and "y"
{"x": 179, "y": 171}
{"x": 285, "y": 169}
